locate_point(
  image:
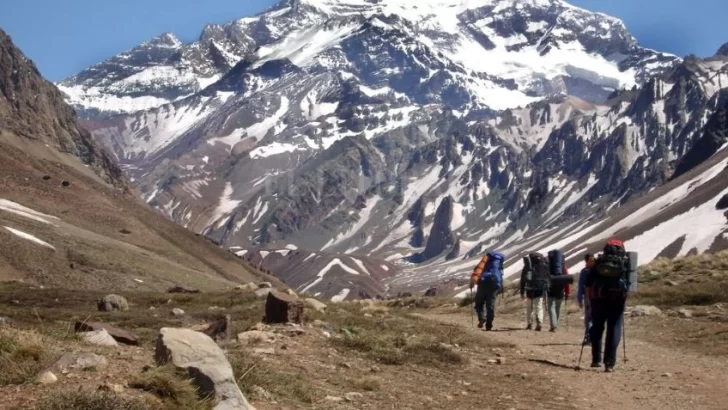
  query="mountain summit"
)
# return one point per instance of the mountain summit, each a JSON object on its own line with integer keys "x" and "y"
{"x": 496, "y": 53}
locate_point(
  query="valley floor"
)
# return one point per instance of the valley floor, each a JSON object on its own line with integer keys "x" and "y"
{"x": 657, "y": 375}
{"x": 405, "y": 354}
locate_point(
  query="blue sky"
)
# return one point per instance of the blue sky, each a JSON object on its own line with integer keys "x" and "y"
{"x": 63, "y": 37}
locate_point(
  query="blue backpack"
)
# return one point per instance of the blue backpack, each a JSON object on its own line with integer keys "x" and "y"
{"x": 493, "y": 272}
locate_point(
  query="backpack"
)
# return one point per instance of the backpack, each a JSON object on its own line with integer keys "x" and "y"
{"x": 556, "y": 262}
{"x": 614, "y": 261}
{"x": 540, "y": 271}
{"x": 493, "y": 272}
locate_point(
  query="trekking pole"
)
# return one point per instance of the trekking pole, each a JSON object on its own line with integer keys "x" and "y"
{"x": 580, "y": 355}
{"x": 472, "y": 310}
{"x": 624, "y": 338}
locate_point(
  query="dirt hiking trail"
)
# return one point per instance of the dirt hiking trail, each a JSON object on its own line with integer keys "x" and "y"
{"x": 654, "y": 377}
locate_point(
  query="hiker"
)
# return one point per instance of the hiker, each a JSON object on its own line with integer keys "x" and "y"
{"x": 558, "y": 291}
{"x": 488, "y": 276}
{"x": 534, "y": 285}
{"x": 584, "y": 301}
{"x": 607, "y": 285}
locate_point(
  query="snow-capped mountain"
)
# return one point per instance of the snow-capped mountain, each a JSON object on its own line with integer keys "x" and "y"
{"x": 418, "y": 133}
{"x": 494, "y": 53}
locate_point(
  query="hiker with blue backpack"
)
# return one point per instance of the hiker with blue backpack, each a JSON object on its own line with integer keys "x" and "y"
{"x": 488, "y": 276}
{"x": 559, "y": 291}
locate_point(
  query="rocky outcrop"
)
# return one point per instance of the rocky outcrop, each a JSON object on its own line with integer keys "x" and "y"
{"x": 715, "y": 135}
{"x": 283, "y": 308}
{"x": 441, "y": 236}
{"x": 33, "y": 108}
{"x": 205, "y": 363}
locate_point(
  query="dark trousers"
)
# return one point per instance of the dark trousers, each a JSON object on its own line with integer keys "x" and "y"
{"x": 485, "y": 296}
{"x": 609, "y": 312}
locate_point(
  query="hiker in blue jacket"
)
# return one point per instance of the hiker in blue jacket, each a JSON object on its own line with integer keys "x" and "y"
{"x": 580, "y": 296}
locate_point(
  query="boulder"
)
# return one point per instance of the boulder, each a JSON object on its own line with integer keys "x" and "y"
{"x": 264, "y": 285}
{"x": 256, "y": 336}
{"x": 111, "y": 388}
{"x": 205, "y": 363}
{"x": 77, "y": 361}
{"x": 220, "y": 329}
{"x": 643, "y": 310}
{"x": 247, "y": 287}
{"x": 178, "y": 312}
{"x": 182, "y": 289}
{"x": 46, "y": 377}
{"x": 316, "y": 305}
{"x": 263, "y": 292}
{"x": 353, "y": 396}
{"x": 120, "y": 335}
{"x": 99, "y": 337}
{"x": 110, "y": 303}
{"x": 283, "y": 308}
{"x": 685, "y": 313}
{"x": 3, "y": 321}
{"x": 431, "y": 292}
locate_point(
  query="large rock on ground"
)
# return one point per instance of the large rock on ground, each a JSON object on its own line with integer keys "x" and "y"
{"x": 99, "y": 337}
{"x": 78, "y": 361}
{"x": 182, "y": 289}
{"x": 283, "y": 308}
{"x": 206, "y": 364}
{"x": 249, "y": 286}
{"x": 110, "y": 303}
{"x": 263, "y": 292}
{"x": 643, "y": 310}
{"x": 120, "y": 335}
{"x": 316, "y": 305}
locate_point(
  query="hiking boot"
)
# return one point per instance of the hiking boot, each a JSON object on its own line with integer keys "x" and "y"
{"x": 596, "y": 364}
{"x": 488, "y": 328}
{"x": 529, "y": 327}
{"x": 609, "y": 369}
{"x": 553, "y": 329}
{"x": 480, "y": 324}
{"x": 538, "y": 328}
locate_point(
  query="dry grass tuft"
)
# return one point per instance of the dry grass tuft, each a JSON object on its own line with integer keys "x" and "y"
{"x": 22, "y": 356}
{"x": 87, "y": 400}
{"x": 172, "y": 386}
{"x": 398, "y": 338}
{"x": 284, "y": 386}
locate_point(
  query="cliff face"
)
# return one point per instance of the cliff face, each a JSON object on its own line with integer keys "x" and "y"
{"x": 33, "y": 108}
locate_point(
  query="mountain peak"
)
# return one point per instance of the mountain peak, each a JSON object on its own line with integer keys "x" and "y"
{"x": 723, "y": 50}
{"x": 165, "y": 40}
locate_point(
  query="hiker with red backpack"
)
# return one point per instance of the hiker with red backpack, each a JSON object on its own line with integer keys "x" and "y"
{"x": 607, "y": 286}
{"x": 488, "y": 276}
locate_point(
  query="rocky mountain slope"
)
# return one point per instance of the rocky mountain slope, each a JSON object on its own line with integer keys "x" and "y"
{"x": 68, "y": 217}
{"x": 418, "y": 133}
